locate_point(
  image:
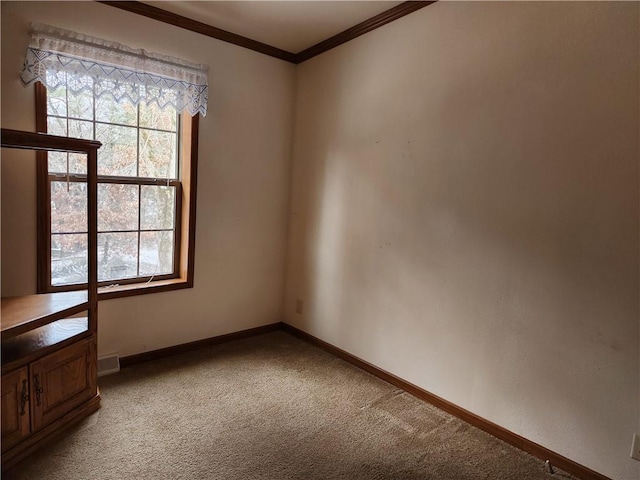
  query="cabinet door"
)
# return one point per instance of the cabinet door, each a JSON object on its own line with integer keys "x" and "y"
{"x": 62, "y": 381}
{"x": 15, "y": 407}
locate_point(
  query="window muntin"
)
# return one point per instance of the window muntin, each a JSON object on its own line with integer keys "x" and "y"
{"x": 139, "y": 190}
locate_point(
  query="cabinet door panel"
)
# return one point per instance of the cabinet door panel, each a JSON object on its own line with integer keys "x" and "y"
{"x": 15, "y": 407}
{"x": 62, "y": 381}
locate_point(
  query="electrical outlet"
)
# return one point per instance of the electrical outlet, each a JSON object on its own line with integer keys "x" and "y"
{"x": 635, "y": 447}
{"x": 299, "y": 306}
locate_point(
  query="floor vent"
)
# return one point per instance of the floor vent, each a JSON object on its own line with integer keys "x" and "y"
{"x": 108, "y": 364}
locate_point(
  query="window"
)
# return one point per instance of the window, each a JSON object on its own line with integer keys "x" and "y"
{"x": 146, "y": 189}
{"x": 144, "y": 107}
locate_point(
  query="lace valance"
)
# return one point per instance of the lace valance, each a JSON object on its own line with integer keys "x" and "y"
{"x": 59, "y": 57}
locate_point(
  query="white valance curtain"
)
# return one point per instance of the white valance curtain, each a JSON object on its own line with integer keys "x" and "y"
{"x": 79, "y": 62}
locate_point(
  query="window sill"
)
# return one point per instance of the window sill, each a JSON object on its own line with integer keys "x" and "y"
{"x": 109, "y": 292}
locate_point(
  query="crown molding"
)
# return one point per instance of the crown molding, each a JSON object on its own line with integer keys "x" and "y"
{"x": 199, "y": 27}
{"x": 378, "y": 21}
{"x": 170, "y": 18}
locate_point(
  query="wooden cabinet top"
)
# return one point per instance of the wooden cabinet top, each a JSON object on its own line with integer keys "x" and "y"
{"x": 22, "y": 314}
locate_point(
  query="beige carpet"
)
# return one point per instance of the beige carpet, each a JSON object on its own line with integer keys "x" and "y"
{"x": 269, "y": 407}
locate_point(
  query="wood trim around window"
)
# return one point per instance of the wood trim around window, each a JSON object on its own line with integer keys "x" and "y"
{"x": 43, "y": 195}
{"x": 189, "y": 127}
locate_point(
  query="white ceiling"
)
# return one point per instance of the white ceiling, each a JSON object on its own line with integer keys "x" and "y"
{"x": 289, "y": 25}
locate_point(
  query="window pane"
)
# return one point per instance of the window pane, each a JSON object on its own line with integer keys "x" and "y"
{"x": 68, "y": 259}
{"x": 78, "y": 163}
{"x": 57, "y": 162}
{"x": 81, "y": 129}
{"x": 81, "y": 104}
{"x": 117, "y": 256}
{"x": 158, "y": 207}
{"x": 118, "y": 153}
{"x": 68, "y": 207}
{"x": 157, "y": 154}
{"x": 107, "y": 110}
{"x": 57, "y": 126}
{"x": 57, "y": 102}
{"x": 156, "y": 253}
{"x": 117, "y": 207}
{"x": 152, "y": 116}
{"x": 136, "y": 223}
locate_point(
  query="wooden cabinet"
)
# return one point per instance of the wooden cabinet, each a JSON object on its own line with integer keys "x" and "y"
{"x": 61, "y": 381}
{"x": 49, "y": 364}
{"x": 15, "y": 407}
{"x": 45, "y": 390}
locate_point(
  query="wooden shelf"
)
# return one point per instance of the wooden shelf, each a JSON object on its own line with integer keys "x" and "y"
{"x": 42, "y": 141}
{"x": 40, "y": 341}
{"x": 49, "y": 341}
{"x": 21, "y": 314}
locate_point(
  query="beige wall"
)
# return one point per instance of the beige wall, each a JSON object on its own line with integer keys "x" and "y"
{"x": 243, "y": 181}
{"x": 464, "y": 211}
{"x": 465, "y": 214}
